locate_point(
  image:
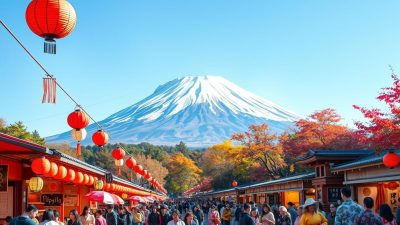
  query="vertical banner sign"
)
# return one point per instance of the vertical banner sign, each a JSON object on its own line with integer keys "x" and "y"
{"x": 109, "y": 178}
{"x": 3, "y": 178}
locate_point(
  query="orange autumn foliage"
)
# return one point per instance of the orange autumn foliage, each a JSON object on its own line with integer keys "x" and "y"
{"x": 320, "y": 131}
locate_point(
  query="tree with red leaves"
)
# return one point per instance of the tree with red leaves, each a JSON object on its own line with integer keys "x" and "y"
{"x": 382, "y": 131}
{"x": 320, "y": 131}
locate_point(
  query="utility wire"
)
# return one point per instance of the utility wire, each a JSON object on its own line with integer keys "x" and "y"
{"x": 57, "y": 83}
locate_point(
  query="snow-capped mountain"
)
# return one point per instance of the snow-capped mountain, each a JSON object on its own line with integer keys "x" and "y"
{"x": 199, "y": 111}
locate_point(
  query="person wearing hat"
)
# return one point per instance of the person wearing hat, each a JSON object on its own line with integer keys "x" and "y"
{"x": 311, "y": 215}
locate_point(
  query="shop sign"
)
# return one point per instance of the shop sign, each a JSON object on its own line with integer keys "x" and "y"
{"x": 52, "y": 199}
{"x": 70, "y": 200}
{"x": 3, "y": 178}
{"x": 333, "y": 194}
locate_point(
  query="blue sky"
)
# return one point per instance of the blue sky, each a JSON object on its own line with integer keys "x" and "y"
{"x": 303, "y": 55}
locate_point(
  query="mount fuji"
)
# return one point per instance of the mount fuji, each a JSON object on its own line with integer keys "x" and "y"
{"x": 200, "y": 111}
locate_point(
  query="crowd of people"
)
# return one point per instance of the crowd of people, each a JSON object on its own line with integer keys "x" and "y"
{"x": 204, "y": 212}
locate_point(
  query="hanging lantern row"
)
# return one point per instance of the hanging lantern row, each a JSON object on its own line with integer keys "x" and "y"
{"x": 43, "y": 167}
{"x": 79, "y": 120}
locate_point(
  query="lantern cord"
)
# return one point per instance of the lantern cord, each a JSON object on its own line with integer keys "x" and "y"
{"x": 47, "y": 73}
{"x": 51, "y": 76}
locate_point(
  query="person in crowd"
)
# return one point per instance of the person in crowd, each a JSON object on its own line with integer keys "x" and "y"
{"x": 27, "y": 218}
{"x": 86, "y": 217}
{"x": 74, "y": 218}
{"x": 100, "y": 220}
{"x": 198, "y": 213}
{"x": 214, "y": 218}
{"x": 245, "y": 218}
{"x": 254, "y": 216}
{"x": 368, "y": 217}
{"x": 136, "y": 216}
{"x": 233, "y": 210}
{"x": 175, "y": 218}
{"x": 275, "y": 211}
{"x": 165, "y": 217}
{"x": 284, "y": 217}
{"x": 128, "y": 216}
{"x": 57, "y": 217}
{"x": 386, "y": 214}
{"x": 121, "y": 220}
{"x": 398, "y": 212}
{"x": 292, "y": 210}
{"x": 226, "y": 215}
{"x": 267, "y": 217}
{"x": 332, "y": 214}
{"x": 189, "y": 219}
{"x": 145, "y": 213}
{"x": 111, "y": 216}
{"x": 348, "y": 210}
{"x": 321, "y": 208}
{"x": 8, "y": 219}
{"x": 238, "y": 213}
{"x": 299, "y": 214}
{"x": 48, "y": 218}
{"x": 154, "y": 217}
{"x": 311, "y": 216}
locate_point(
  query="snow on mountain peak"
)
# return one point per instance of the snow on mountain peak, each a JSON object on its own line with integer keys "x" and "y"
{"x": 216, "y": 92}
{"x": 199, "y": 110}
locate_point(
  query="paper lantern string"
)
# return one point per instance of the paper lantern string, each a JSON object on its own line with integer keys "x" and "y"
{"x": 53, "y": 83}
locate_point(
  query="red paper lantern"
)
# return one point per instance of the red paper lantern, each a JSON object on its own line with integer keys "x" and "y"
{"x": 118, "y": 153}
{"x": 91, "y": 180}
{"x": 78, "y": 119}
{"x": 130, "y": 162}
{"x": 53, "y": 170}
{"x": 85, "y": 179}
{"x": 50, "y": 19}
{"x": 391, "y": 160}
{"x": 41, "y": 165}
{"x": 78, "y": 178}
{"x": 100, "y": 138}
{"x": 61, "y": 173}
{"x": 148, "y": 175}
{"x": 70, "y": 175}
{"x": 234, "y": 183}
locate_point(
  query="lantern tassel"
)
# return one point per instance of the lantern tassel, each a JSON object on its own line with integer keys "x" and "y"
{"x": 119, "y": 171}
{"x": 78, "y": 149}
{"x": 49, "y": 90}
{"x": 49, "y": 45}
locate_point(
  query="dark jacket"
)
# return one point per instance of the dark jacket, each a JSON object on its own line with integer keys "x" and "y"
{"x": 200, "y": 216}
{"x": 22, "y": 220}
{"x": 128, "y": 218}
{"x": 165, "y": 219}
{"x": 77, "y": 222}
{"x": 238, "y": 213}
{"x": 154, "y": 219}
{"x": 122, "y": 219}
{"x": 111, "y": 218}
{"x": 245, "y": 219}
